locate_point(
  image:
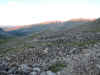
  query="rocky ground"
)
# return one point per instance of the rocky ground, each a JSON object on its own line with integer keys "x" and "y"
{"x": 65, "y": 53}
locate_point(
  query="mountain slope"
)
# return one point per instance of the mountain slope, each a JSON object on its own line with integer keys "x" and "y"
{"x": 90, "y": 26}
{"x": 52, "y": 26}
{"x": 3, "y": 34}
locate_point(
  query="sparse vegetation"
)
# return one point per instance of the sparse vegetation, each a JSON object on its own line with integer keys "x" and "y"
{"x": 49, "y": 51}
{"x": 57, "y": 67}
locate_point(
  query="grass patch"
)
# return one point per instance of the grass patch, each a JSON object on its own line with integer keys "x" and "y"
{"x": 56, "y": 67}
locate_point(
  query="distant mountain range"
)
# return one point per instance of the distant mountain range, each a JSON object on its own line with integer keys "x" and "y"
{"x": 53, "y": 25}
{"x": 73, "y": 24}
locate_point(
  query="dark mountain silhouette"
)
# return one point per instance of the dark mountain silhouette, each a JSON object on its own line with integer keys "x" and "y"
{"x": 73, "y": 25}
{"x": 52, "y": 26}
{"x": 3, "y": 34}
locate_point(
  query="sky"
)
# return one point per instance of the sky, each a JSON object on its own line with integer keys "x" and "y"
{"x": 23, "y": 12}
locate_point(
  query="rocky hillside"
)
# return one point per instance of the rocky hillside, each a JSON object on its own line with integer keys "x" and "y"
{"x": 72, "y": 53}
{"x": 63, "y": 52}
